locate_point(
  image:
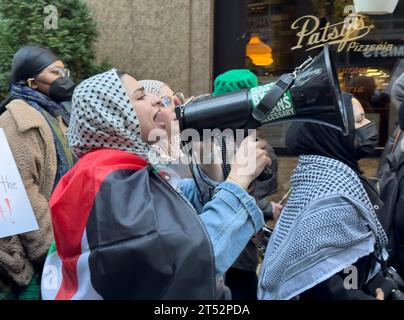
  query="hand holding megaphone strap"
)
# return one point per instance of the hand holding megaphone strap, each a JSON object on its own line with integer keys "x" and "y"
{"x": 267, "y": 104}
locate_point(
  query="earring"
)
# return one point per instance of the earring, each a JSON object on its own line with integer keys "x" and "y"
{"x": 29, "y": 82}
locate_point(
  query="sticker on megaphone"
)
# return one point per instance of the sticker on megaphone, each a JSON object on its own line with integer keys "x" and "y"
{"x": 284, "y": 107}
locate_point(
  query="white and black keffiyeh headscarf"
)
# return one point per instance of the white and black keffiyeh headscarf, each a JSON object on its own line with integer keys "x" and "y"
{"x": 103, "y": 117}
{"x": 152, "y": 86}
{"x": 327, "y": 225}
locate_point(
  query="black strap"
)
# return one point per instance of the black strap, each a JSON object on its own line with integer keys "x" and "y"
{"x": 267, "y": 104}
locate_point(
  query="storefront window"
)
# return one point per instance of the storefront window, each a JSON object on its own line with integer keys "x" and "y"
{"x": 279, "y": 35}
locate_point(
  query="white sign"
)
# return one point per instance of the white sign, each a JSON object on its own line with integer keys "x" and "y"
{"x": 16, "y": 215}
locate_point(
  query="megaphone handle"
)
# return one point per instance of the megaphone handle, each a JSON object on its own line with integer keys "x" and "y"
{"x": 274, "y": 94}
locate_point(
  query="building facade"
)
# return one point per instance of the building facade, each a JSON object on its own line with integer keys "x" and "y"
{"x": 167, "y": 40}
{"x": 187, "y": 43}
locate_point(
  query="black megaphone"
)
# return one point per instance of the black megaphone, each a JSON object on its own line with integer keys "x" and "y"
{"x": 311, "y": 93}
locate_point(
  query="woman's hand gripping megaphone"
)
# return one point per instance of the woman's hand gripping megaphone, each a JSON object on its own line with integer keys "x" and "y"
{"x": 250, "y": 160}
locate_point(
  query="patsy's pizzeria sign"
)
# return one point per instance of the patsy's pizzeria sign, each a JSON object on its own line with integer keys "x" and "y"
{"x": 312, "y": 34}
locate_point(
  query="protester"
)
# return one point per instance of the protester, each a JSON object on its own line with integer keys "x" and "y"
{"x": 391, "y": 192}
{"x": 35, "y": 123}
{"x": 397, "y": 97}
{"x": 242, "y": 276}
{"x": 329, "y": 222}
{"x": 397, "y": 92}
{"x": 167, "y": 146}
{"x": 121, "y": 231}
{"x": 389, "y": 182}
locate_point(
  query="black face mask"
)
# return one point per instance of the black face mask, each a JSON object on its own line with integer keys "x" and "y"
{"x": 62, "y": 89}
{"x": 366, "y": 139}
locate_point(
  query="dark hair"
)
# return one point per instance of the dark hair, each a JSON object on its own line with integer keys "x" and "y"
{"x": 362, "y": 87}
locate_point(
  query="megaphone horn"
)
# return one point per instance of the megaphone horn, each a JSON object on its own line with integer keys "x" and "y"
{"x": 311, "y": 93}
{"x": 276, "y": 92}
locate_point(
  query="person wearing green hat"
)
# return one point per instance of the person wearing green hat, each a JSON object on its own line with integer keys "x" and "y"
{"x": 234, "y": 80}
{"x": 241, "y": 278}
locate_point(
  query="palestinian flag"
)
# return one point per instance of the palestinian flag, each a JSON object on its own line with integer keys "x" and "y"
{"x": 122, "y": 232}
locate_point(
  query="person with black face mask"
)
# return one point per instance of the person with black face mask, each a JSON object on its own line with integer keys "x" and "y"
{"x": 35, "y": 119}
{"x": 329, "y": 224}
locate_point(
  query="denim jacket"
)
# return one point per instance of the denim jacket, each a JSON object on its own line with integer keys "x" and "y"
{"x": 231, "y": 218}
{"x": 248, "y": 259}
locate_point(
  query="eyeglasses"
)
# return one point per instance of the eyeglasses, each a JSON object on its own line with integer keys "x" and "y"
{"x": 63, "y": 72}
{"x": 59, "y": 71}
{"x": 167, "y": 101}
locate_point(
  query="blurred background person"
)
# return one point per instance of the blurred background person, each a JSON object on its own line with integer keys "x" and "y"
{"x": 363, "y": 88}
{"x": 398, "y": 262}
{"x": 35, "y": 123}
{"x": 241, "y": 278}
{"x": 169, "y": 101}
{"x": 397, "y": 92}
{"x": 397, "y": 98}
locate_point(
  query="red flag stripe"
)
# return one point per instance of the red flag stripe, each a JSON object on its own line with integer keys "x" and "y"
{"x": 71, "y": 204}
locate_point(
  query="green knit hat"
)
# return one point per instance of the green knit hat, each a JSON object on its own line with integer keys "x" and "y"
{"x": 234, "y": 80}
